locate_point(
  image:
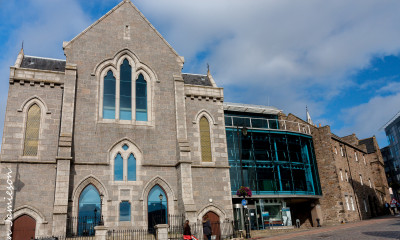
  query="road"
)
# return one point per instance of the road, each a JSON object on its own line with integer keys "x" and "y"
{"x": 374, "y": 229}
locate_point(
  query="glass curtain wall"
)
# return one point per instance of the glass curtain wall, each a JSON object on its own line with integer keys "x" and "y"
{"x": 273, "y": 162}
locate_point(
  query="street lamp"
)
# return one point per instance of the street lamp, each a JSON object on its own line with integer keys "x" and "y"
{"x": 161, "y": 198}
{"x": 101, "y": 223}
{"x": 244, "y": 132}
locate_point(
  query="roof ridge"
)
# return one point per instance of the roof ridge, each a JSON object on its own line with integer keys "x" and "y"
{"x": 45, "y": 58}
{"x": 197, "y": 74}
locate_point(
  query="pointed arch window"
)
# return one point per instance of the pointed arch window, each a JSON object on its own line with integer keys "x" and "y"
{"x": 205, "y": 140}
{"x": 118, "y": 168}
{"x": 31, "y": 141}
{"x": 131, "y": 168}
{"x": 157, "y": 206}
{"x": 109, "y": 96}
{"x": 141, "y": 98}
{"x": 124, "y": 165}
{"x": 125, "y": 95}
{"x": 89, "y": 210}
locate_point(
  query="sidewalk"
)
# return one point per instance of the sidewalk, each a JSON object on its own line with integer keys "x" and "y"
{"x": 324, "y": 229}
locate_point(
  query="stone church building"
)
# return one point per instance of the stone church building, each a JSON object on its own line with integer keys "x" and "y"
{"x": 115, "y": 130}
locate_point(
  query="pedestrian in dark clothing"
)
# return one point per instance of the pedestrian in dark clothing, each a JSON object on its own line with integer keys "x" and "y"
{"x": 187, "y": 234}
{"x": 387, "y": 207}
{"x": 207, "y": 227}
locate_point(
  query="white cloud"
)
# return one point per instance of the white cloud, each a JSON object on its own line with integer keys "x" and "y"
{"x": 294, "y": 53}
{"x": 367, "y": 119}
{"x": 43, "y": 26}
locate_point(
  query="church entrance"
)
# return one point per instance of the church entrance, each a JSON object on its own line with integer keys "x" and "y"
{"x": 215, "y": 224}
{"x": 157, "y": 207}
{"x": 23, "y": 228}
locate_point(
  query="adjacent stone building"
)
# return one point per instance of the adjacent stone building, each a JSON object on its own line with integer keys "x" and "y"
{"x": 114, "y": 131}
{"x": 352, "y": 175}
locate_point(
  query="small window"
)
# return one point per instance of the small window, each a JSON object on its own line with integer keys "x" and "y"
{"x": 361, "y": 180}
{"x": 341, "y": 152}
{"x": 370, "y": 183}
{"x": 347, "y": 202}
{"x": 205, "y": 140}
{"x": 352, "y": 203}
{"x": 341, "y": 174}
{"x": 365, "y": 205}
{"x": 365, "y": 163}
{"x": 32, "y": 131}
{"x": 131, "y": 168}
{"x": 355, "y": 155}
{"x": 335, "y": 150}
{"x": 124, "y": 211}
{"x": 347, "y": 177}
{"x": 118, "y": 168}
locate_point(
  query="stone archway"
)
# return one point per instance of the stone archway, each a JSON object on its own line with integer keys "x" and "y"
{"x": 23, "y": 228}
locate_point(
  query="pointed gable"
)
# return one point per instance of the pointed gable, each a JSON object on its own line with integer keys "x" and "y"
{"x": 128, "y": 22}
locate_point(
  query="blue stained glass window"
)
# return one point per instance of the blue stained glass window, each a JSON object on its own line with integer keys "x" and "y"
{"x": 141, "y": 99}
{"x": 131, "y": 168}
{"x": 125, "y": 112}
{"x": 125, "y": 211}
{"x": 118, "y": 168}
{"x": 109, "y": 96}
{"x": 125, "y": 147}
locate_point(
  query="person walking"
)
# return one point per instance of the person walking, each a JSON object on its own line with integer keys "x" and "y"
{"x": 207, "y": 227}
{"x": 187, "y": 234}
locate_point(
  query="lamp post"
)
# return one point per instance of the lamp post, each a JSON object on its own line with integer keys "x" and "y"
{"x": 101, "y": 223}
{"x": 161, "y": 198}
{"x": 246, "y": 218}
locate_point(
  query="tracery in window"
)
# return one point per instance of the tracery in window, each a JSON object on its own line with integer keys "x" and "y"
{"x": 205, "y": 140}
{"x": 32, "y": 131}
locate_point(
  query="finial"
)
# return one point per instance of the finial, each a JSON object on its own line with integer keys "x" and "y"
{"x": 22, "y": 47}
{"x": 208, "y": 68}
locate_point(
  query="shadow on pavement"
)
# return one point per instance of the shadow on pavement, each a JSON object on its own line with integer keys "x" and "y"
{"x": 386, "y": 234}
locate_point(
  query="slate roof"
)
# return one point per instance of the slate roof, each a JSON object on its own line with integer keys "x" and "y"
{"x": 43, "y": 63}
{"x": 196, "y": 79}
{"x": 241, "y": 107}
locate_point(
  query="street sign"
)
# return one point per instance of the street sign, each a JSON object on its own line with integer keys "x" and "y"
{"x": 244, "y": 202}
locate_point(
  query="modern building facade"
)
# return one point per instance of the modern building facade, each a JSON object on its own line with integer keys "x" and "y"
{"x": 392, "y": 153}
{"x": 114, "y": 131}
{"x": 300, "y": 171}
{"x": 278, "y": 164}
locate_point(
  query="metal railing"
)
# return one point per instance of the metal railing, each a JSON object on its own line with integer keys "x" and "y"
{"x": 82, "y": 226}
{"x": 130, "y": 234}
{"x": 66, "y": 238}
{"x": 267, "y": 124}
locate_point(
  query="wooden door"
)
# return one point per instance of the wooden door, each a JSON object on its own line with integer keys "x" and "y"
{"x": 23, "y": 228}
{"x": 215, "y": 224}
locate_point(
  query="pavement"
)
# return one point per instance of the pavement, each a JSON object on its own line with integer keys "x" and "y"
{"x": 384, "y": 227}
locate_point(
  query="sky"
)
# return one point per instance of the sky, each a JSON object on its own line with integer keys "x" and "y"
{"x": 339, "y": 58}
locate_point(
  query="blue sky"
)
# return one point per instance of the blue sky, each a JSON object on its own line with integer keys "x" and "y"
{"x": 340, "y": 58}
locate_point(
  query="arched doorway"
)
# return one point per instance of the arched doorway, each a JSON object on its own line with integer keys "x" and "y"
{"x": 215, "y": 224}
{"x": 23, "y": 228}
{"x": 157, "y": 207}
{"x": 89, "y": 211}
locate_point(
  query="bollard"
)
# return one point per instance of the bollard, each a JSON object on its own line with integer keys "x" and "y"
{"x": 298, "y": 223}
{"x": 318, "y": 225}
